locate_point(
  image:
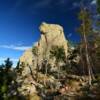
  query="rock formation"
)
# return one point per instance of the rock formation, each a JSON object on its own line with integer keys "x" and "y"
{"x": 51, "y": 35}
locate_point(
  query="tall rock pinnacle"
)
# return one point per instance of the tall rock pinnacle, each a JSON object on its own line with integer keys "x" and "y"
{"x": 51, "y": 35}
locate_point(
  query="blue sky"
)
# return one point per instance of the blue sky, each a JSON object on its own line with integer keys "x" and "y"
{"x": 20, "y": 20}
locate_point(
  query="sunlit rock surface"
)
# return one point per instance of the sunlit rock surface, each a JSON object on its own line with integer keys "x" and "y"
{"x": 51, "y": 35}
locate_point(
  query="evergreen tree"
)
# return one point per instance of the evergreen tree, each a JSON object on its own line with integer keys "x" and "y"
{"x": 59, "y": 54}
{"x": 8, "y": 64}
{"x": 19, "y": 67}
{"x": 98, "y": 6}
{"x": 86, "y": 29}
{"x": 5, "y": 79}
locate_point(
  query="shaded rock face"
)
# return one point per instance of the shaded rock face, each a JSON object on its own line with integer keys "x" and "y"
{"x": 51, "y": 35}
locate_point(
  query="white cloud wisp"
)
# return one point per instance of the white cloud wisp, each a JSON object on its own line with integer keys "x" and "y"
{"x": 13, "y": 47}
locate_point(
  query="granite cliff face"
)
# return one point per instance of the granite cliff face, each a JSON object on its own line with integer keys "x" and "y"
{"x": 51, "y": 35}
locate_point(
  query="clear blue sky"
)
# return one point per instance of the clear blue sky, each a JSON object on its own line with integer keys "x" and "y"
{"x": 20, "y": 20}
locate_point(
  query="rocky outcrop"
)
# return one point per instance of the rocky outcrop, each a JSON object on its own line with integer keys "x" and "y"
{"x": 51, "y": 35}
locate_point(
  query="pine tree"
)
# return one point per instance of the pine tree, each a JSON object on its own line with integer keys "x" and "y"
{"x": 59, "y": 54}
{"x": 85, "y": 30}
{"x": 8, "y": 64}
{"x": 5, "y": 79}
